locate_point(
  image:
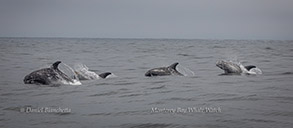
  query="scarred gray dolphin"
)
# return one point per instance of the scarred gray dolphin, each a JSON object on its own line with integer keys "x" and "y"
{"x": 163, "y": 71}
{"x": 234, "y": 68}
{"x": 46, "y": 76}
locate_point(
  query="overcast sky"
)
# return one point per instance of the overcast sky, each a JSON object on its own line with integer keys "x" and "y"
{"x": 187, "y": 19}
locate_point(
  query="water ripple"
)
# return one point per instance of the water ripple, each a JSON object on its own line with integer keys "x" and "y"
{"x": 238, "y": 98}
{"x": 151, "y": 125}
{"x": 181, "y": 99}
{"x": 133, "y": 95}
{"x": 159, "y": 87}
{"x": 105, "y": 94}
{"x": 287, "y": 73}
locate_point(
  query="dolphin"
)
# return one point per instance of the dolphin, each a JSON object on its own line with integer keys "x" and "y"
{"x": 163, "y": 71}
{"x": 229, "y": 67}
{"x": 46, "y": 76}
{"x": 233, "y": 68}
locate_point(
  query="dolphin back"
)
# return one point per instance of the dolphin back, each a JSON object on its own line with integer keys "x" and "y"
{"x": 47, "y": 75}
{"x": 42, "y": 76}
{"x": 163, "y": 71}
{"x": 250, "y": 67}
{"x": 104, "y": 75}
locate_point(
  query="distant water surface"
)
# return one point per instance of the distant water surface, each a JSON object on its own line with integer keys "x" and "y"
{"x": 203, "y": 98}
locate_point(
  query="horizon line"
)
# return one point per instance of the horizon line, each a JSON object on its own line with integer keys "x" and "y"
{"x": 140, "y": 38}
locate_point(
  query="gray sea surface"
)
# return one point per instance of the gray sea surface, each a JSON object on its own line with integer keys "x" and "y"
{"x": 202, "y": 98}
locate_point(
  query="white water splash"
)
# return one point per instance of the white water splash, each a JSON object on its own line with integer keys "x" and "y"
{"x": 69, "y": 72}
{"x": 253, "y": 71}
{"x": 185, "y": 71}
{"x": 75, "y": 82}
{"x": 112, "y": 75}
{"x": 72, "y": 72}
{"x": 83, "y": 72}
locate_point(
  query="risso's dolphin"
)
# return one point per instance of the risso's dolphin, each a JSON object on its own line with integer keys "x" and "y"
{"x": 234, "y": 68}
{"x": 163, "y": 71}
{"x": 47, "y": 76}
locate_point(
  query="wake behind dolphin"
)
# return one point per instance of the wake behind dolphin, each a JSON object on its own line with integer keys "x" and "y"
{"x": 230, "y": 67}
{"x": 51, "y": 75}
{"x": 163, "y": 71}
{"x": 83, "y": 73}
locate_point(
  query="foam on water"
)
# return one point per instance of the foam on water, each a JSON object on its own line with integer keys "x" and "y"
{"x": 253, "y": 71}
{"x": 185, "y": 71}
{"x": 112, "y": 75}
{"x": 74, "y": 82}
{"x": 69, "y": 72}
{"x": 83, "y": 71}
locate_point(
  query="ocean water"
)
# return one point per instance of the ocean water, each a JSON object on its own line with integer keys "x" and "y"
{"x": 202, "y": 98}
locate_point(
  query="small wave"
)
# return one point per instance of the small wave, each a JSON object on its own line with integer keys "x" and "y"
{"x": 159, "y": 82}
{"x": 268, "y": 48}
{"x": 125, "y": 83}
{"x": 238, "y": 98}
{"x": 131, "y": 95}
{"x": 218, "y": 95}
{"x": 100, "y": 114}
{"x": 279, "y": 113}
{"x": 217, "y": 46}
{"x": 181, "y": 99}
{"x": 42, "y": 94}
{"x": 287, "y": 73}
{"x": 17, "y": 108}
{"x": 119, "y": 113}
{"x": 71, "y": 92}
{"x": 182, "y": 54}
{"x": 288, "y": 98}
{"x": 157, "y": 102}
{"x": 160, "y": 87}
{"x": 62, "y": 113}
{"x": 104, "y": 94}
{"x": 7, "y": 94}
{"x": 151, "y": 125}
{"x": 164, "y": 92}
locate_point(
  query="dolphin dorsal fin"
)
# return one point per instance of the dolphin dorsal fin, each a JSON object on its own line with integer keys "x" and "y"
{"x": 104, "y": 75}
{"x": 250, "y": 67}
{"x": 173, "y": 66}
{"x": 55, "y": 65}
